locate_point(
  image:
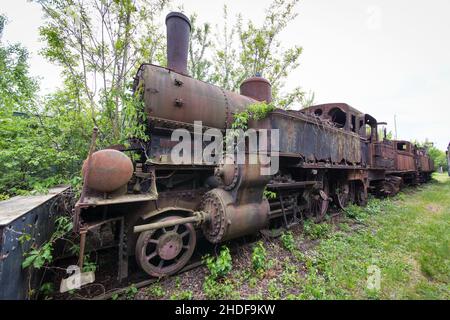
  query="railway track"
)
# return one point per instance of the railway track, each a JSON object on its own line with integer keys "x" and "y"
{"x": 196, "y": 263}
{"x": 143, "y": 283}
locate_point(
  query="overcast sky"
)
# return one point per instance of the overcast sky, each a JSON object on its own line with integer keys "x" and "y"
{"x": 382, "y": 57}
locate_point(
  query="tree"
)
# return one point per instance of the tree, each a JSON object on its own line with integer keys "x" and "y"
{"x": 439, "y": 157}
{"x": 242, "y": 50}
{"x": 199, "y": 66}
{"x": 42, "y": 141}
{"x": 100, "y": 44}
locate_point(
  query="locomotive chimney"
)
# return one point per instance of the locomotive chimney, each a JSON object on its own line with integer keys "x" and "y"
{"x": 178, "y": 31}
{"x": 257, "y": 88}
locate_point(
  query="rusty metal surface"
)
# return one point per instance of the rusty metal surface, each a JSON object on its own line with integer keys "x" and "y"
{"x": 165, "y": 251}
{"x": 109, "y": 170}
{"x": 257, "y": 88}
{"x": 314, "y": 140}
{"x": 340, "y": 114}
{"x": 326, "y": 151}
{"x": 197, "y": 100}
{"x": 228, "y": 220}
{"x": 404, "y": 156}
{"x": 178, "y": 31}
{"x": 33, "y": 215}
{"x": 383, "y": 155}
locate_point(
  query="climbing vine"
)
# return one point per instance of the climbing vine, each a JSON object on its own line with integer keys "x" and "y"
{"x": 254, "y": 111}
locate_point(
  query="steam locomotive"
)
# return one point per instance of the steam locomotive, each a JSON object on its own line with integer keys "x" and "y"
{"x": 157, "y": 208}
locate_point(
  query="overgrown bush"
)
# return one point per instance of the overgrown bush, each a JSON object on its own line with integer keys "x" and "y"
{"x": 316, "y": 230}
{"x": 287, "y": 239}
{"x": 259, "y": 258}
{"x": 221, "y": 265}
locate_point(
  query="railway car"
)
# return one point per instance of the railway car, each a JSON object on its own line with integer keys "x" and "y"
{"x": 424, "y": 164}
{"x": 159, "y": 208}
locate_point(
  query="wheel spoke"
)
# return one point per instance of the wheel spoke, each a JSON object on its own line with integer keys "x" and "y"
{"x": 184, "y": 234}
{"x": 172, "y": 251}
{"x": 151, "y": 256}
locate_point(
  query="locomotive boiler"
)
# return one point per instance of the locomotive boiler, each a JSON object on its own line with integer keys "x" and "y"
{"x": 157, "y": 208}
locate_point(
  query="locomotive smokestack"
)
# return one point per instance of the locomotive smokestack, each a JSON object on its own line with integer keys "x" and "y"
{"x": 178, "y": 31}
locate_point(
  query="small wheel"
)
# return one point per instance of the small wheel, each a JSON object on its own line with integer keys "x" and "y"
{"x": 165, "y": 251}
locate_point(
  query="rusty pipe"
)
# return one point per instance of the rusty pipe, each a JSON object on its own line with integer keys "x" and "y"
{"x": 197, "y": 218}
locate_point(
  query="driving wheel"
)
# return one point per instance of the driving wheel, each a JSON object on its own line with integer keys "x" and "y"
{"x": 165, "y": 251}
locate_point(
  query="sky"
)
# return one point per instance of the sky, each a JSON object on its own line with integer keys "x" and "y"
{"x": 382, "y": 57}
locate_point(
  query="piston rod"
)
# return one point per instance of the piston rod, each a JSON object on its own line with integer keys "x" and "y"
{"x": 197, "y": 218}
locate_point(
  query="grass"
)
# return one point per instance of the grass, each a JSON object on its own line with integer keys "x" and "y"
{"x": 406, "y": 239}
{"x": 395, "y": 248}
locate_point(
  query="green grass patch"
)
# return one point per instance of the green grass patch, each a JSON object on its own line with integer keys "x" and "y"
{"x": 405, "y": 239}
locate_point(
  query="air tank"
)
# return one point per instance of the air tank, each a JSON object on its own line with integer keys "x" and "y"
{"x": 108, "y": 170}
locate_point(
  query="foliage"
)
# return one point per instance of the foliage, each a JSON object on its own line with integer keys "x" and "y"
{"x": 47, "y": 288}
{"x": 88, "y": 266}
{"x": 199, "y": 66}
{"x": 245, "y": 49}
{"x": 439, "y": 157}
{"x": 316, "y": 230}
{"x": 290, "y": 276}
{"x": 131, "y": 292}
{"x": 99, "y": 44}
{"x": 42, "y": 256}
{"x": 155, "y": 291}
{"x": 222, "y": 289}
{"x": 287, "y": 239}
{"x": 275, "y": 291}
{"x": 254, "y": 111}
{"x": 42, "y": 143}
{"x": 221, "y": 265}
{"x": 183, "y": 295}
{"x": 269, "y": 195}
{"x": 215, "y": 286}
{"x": 259, "y": 258}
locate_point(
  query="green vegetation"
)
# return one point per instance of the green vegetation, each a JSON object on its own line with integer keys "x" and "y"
{"x": 215, "y": 285}
{"x": 155, "y": 291}
{"x": 255, "y": 111}
{"x": 221, "y": 265}
{"x": 183, "y": 295}
{"x": 38, "y": 257}
{"x": 404, "y": 240}
{"x": 316, "y": 230}
{"x": 259, "y": 258}
{"x": 288, "y": 241}
{"x": 99, "y": 44}
{"x": 131, "y": 292}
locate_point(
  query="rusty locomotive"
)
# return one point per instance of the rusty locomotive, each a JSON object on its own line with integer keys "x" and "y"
{"x": 328, "y": 154}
